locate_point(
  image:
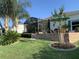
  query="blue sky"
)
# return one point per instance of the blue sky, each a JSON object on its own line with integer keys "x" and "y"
{"x": 43, "y": 8}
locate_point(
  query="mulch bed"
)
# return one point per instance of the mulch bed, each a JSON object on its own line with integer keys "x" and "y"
{"x": 63, "y": 46}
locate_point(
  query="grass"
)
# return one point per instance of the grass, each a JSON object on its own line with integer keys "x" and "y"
{"x": 34, "y": 49}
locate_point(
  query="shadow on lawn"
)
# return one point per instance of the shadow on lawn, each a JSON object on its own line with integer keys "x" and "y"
{"x": 24, "y": 39}
{"x": 49, "y": 53}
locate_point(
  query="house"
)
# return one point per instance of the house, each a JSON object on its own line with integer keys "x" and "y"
{"x": 20, "y": 28}
{"x": 73, "y": 21}
{"x": 29, "y": 26}
{"x": 34, "y": 24}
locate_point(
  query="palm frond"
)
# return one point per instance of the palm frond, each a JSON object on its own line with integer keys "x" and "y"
{"x": 20, "y": 9}
{"x": 55, "y": 13}
{"x": 61, "y": 10}
{"x": 59, "y": 16}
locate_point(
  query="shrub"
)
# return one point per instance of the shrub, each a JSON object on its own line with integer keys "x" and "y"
{"x": 26, "y": 35}
{"x": 9, "y": 37}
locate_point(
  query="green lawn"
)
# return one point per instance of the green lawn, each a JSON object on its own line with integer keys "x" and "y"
{"x": 36, "y": 49}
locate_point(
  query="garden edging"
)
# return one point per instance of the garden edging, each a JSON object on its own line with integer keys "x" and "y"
{"x": 57, "y": 49}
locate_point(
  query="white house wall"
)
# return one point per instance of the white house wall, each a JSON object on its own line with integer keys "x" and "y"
{"x": 20, "y": 28}
{"x": 74, "y": 18}
{"x": 55, "y": 25}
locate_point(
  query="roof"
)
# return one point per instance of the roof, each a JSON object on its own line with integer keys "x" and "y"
{"x": 26, "y": 22}
{"x": 71, "y": 13}
{"x": 32, "y": 20}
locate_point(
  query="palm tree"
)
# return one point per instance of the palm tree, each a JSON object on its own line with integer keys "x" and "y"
{"x": 59, "y": 17}
{"x": 6, "y": 10}
{"x": 19, "y": 12}
{"x": 11, "y": 8}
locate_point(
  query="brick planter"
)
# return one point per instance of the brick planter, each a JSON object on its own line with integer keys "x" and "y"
{"x": 61, "y": 49}
{"x": 73, "y": 37}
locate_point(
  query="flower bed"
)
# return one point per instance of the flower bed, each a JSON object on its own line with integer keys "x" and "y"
{"x": 63, "y": 47}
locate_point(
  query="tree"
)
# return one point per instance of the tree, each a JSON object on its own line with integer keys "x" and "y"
{"x": 11, "y": 9}
{"x": 59, "y": 17}
{"x": 19, "y": 11}
{"x": 6, "y": 10}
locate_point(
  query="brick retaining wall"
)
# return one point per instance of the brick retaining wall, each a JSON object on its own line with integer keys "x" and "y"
{"x": 47, "y": 36}
{"x": 73, "y": 36}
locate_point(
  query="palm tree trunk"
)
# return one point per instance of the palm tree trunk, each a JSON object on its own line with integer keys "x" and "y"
{"x": 61, "y": 34}
{"x": 15, "y": 24}
{"x": 6, "y": 23}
